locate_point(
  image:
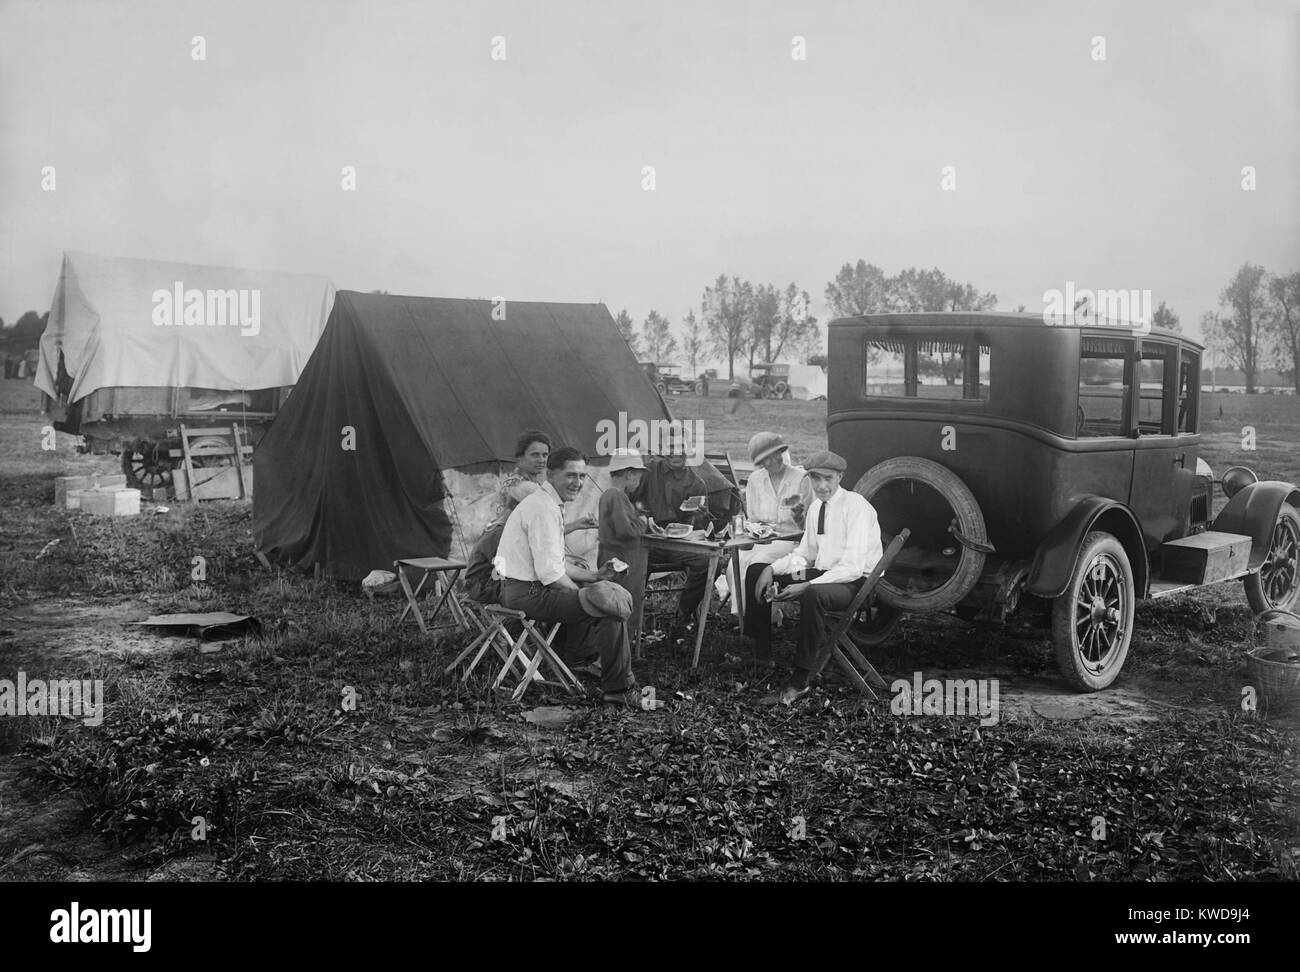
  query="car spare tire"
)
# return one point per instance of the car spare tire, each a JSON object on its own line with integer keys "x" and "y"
{"x": 936, "y": 569}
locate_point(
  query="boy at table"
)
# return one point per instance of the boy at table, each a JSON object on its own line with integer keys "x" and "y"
{"x": 622, "y": 528}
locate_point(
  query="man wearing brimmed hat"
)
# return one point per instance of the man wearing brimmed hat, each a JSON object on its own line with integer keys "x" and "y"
{"x": 621, "y": 528}
{"x": 840, "y": 546}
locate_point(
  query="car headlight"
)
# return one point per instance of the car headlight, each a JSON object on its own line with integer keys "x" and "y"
{"x": 1235, "y": 479}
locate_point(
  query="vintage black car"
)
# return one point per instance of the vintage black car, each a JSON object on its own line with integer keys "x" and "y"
{"x": 1046, "y": 465}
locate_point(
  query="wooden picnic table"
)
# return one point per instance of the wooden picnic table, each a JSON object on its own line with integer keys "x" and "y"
{"x": 716, "y": 550}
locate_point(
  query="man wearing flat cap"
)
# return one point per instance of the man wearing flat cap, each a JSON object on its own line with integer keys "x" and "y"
{"x": 840, "y": 546}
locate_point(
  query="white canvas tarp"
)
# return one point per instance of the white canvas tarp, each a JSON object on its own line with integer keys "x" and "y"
{"x": 124, "y": 322}
{"x": 807, "y": 382}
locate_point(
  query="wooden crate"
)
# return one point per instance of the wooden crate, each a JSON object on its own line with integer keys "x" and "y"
{"x": 213, "y": 483}
{"x": 1205, "y": 558}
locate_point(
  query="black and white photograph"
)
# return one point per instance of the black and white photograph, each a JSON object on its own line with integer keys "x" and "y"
{"x": 716, "y": 443}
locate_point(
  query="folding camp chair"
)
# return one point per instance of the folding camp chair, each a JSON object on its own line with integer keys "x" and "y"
{"x": 492, "y": 633}
{"x": 864, "y": 676}
{"x": 445, "y": 573}
{"x": 541, "y": 651}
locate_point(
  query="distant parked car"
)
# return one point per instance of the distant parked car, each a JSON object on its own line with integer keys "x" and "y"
{"x": 771, "y": 380}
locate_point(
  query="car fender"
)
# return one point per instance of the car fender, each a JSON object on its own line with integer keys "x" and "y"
{"x": 1055, "y": 557}
{"x": 1253, "y": 513}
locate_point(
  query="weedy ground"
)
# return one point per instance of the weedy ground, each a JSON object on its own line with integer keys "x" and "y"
{"x": 250, "y": 762}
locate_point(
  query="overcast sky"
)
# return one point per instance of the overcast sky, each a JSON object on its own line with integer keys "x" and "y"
{"x": 523, "y": 177}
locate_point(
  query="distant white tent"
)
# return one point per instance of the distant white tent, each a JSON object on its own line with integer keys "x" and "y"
{"x": 123, "y": 322}
{"x": 807, "y": 382}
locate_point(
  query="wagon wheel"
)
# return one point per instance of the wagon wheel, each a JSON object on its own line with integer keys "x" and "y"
{"x": 1276, "y": 585}
{"x": 1092, "y": 621}
{"x": 145, "y": 466}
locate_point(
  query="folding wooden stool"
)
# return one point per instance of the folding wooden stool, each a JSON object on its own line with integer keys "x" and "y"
{"x": 542, "y": 651}
{"x": 445, "y": 573}
{"x": 864, "y": 676}
{"x": 492, "y": 634}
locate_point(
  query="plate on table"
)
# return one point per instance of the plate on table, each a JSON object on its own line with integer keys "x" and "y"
{"x": 679, "y": 531}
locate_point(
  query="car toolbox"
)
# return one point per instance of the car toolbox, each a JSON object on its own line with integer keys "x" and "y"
{"x": 1205, "y": 558}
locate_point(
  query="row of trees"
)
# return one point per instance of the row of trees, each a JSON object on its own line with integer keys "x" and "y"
{"x": 26, "y": 330}
{"x": 752, "y": 322}
{"x": 737, "y": 319}
{"x": 1258, "y": 324}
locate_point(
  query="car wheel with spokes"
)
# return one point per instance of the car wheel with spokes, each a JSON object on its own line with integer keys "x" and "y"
{"x": 1276, "y": 585}
{"x": 1092, "y": 621}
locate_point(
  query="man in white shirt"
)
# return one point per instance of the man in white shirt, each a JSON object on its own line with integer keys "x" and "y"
{"x": 537, "y": 580}
{"x": 840, "y": 546}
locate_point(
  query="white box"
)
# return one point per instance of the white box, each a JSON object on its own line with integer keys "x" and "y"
{"x": 112, "y": 501}
{"x": 66, "y": 488}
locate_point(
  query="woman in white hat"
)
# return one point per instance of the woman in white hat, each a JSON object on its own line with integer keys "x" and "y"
{"x": 621, "y": 528}
{"x": 776, "y": 495}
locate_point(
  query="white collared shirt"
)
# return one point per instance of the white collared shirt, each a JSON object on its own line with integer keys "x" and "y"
{"x": 532, "y": 543}
{"x": 849, "y": 548}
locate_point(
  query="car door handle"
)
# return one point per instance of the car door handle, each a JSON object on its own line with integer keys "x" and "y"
{"x": 1180, "y": 460}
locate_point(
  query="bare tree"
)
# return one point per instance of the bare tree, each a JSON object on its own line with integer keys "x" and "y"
{"x": 660, "y": 344}
{"x": 694, "y": 340}
{"x": 625, "y": 327}
{"x": 1285, "y": 292}
{"x": 727, "y": 308}
{"x": 1242, "y": 334}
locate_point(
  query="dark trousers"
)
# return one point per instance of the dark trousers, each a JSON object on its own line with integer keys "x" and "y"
{"x": 604, "y": 635}
{"x": 696, "y": 566}
{"x": 813, "y": 652}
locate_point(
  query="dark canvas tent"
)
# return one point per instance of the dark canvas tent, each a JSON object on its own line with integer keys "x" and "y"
{"x": 424, "y": 385}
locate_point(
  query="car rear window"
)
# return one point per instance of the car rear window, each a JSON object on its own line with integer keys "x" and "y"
{"x": 939, "y": 368}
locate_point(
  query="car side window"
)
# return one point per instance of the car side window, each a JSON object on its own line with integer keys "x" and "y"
{"x": 1105, "y": 374}
{"x": 1155, "y": 370}
{"x": 1189, "y": 376}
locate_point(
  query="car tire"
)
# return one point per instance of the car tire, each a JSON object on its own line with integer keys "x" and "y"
{"x": 699, "y": 389}
{"x": 1100, "y": 600}
{"x": 969, "y": 520}
{"x": 1276, "y": 585}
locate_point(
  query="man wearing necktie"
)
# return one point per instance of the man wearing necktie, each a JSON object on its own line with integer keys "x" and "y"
{"x": 840, "y": 546}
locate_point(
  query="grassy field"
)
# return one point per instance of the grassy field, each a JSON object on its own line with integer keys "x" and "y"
{"x": 427, "y": 777}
